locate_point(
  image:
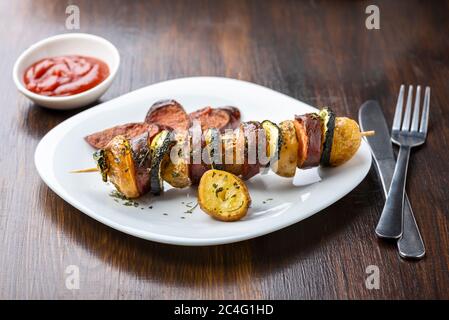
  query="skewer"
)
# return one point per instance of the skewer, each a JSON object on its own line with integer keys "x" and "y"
{"x": 363, "y": 134}
{"x": 85, "y": 170}
{"x": 368, "y": 133}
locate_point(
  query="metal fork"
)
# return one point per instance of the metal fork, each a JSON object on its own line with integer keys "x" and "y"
{"x": 391, "y": 221}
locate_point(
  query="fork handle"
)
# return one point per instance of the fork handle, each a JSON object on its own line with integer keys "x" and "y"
{"x": 391, "y": 220}
{"x": 411, "y": 244}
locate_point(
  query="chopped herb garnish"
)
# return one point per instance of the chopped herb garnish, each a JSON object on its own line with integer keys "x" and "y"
{"x": 117, "y": 195}
{"x": 191, "y": 209}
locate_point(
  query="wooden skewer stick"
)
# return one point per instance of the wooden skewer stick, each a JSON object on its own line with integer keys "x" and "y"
{"x": 368, "y": 133}
{"x": 85, "y": 170}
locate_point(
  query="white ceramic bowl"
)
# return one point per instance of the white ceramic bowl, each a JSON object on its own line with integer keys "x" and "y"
{"x": 68, "y": 44}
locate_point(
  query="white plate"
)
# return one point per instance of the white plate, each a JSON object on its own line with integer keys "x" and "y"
{"x": 63, "y": 149}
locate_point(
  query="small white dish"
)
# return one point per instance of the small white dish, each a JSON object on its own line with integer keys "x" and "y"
{"x": 68, "y": 44}
{"x": 276, "y": 202}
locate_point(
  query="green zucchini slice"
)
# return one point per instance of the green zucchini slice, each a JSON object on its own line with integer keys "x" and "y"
{"x": 159, "y": 151}
{"x": 102, "y": 164}
{"x": 214, "y": 148}
{"x": 328, "y": 125}
{"x": 274, "y": 142}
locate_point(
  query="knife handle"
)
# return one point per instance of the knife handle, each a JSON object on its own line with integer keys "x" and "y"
{"x": 411, "y": 244}
{"x": 391, "y": 219}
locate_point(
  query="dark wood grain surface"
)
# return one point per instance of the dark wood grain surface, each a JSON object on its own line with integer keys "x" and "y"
{"x": 318, "y": 52}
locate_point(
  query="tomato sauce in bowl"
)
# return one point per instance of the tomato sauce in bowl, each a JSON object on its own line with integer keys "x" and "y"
{"x": 65, "y": 75}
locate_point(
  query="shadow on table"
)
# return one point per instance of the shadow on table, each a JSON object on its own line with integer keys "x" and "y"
{"x": 36, "y": 121}
{"x": 224, "y": 264}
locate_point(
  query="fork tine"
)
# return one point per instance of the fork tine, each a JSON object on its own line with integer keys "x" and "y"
{"x": 398, "y": 112}
{"x": 425, "y": 112}
{"x": 408, "y": 110}
{"x": 415, "y": 121}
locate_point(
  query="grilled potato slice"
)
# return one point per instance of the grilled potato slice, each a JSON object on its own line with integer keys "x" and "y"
{"x": 175, "y": 169}
{"x": 288, "y": 154}
{"x": 223, "y": 195}
{"x": 346, "y": 141}
{"x": 120, "y": 166}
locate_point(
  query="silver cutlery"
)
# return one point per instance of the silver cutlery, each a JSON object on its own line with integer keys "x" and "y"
{"x": 407, "y": 133}
{"x": 371, "y": 117}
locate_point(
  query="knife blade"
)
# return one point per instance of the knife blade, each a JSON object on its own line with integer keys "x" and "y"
{"x": 371, "y": 117}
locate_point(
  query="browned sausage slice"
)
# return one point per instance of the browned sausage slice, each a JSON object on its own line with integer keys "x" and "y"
{"x": 251, "y": 166}
{"x": 100, "y": 139}
{"x": 142, "y": 161}
{"x": 308, "y": 132}
{"x": 217, "y": 118}
{"x": 168, "y": 113}
{"x": 234, "y": 113}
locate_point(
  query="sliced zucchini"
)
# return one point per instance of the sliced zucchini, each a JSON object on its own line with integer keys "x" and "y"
{"x": 223, "y": 195}
{"x": 214, "y": 148}
{"x": 288, "y": 155}
{"x": 102, "y": 164}
{"x": 328, "y": 126}
{"x": 118, "y": 159}
{"x": 274, "y": 143}
{"x": 159, "y": 151}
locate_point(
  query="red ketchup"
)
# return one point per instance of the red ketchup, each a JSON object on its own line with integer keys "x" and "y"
{"x": 65, "y": 75}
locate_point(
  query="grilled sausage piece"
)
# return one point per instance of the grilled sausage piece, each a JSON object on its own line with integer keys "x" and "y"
{"x": 197, "y": 166}
{"x": 142, "y": 161}
{"x": 218, "y": 118}
{"x": 99, "y": 140}
{"x": 234, "y": 113}
{"x": 251, "y": 165}
{"x": 168, "y": 113}
{"x": 309, "y": 134}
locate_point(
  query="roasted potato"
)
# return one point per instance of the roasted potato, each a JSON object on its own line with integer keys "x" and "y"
{"x": 223, "y": 195}
{"x": 175, "y": 167}
{"x": 288, "y": 155}
{"x": 346, "y": 141}
{"x": 120, "y": 166}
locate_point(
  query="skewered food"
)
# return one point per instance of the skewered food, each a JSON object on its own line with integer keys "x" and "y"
{"x": 251, "y": 132}
{"x": 346, "y": 142}
{"x": 328, "y": 126}
{"x": 223, "y": 195}
{"x": 288, "y": 155}
{"x": 273, "y": 142}
{"x": 100, "y": 139}
{"x": 136, "y": 166}
{"x": 159, "y": 149}
{"x": 219, "y": 118}
{"x": 176, "y": 171}
{"x": 117, "y": 165}
{"x": 309, "y": 134}
{"x": 169, "y": 114}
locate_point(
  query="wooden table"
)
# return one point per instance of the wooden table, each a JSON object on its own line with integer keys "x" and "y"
{"x": 318, "y": 52}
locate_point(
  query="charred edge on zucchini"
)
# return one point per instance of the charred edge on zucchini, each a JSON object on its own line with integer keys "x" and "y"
{"x": 213, "y": 144}
{"x": 159, "y": 149}
{"x": 271, "y": 129}
{"x": 102, "y": 164}
{"x": 328, "y": 126}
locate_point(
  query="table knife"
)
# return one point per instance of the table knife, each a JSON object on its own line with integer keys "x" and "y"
{"x": 371, "y": 117}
